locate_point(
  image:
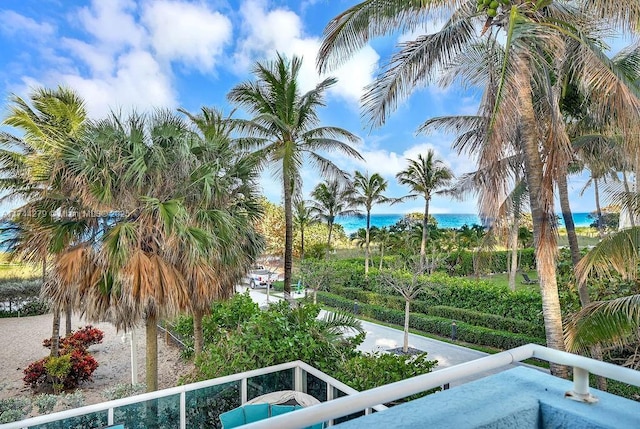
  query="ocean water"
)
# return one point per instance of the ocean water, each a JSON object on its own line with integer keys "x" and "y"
{"x": 351, "y": 224}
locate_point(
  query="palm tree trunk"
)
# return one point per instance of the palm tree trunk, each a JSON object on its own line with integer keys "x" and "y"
{"x": 541, "y": 203}
{"x": 67, "y": 319}
{"x": 381, "y": 256}
{"x": 625, "y": 181}
{"x": 567, "y": 216}
{"x": 366, "y": 247}
{"x": 301, "y": 242}
{"x": 513, "y": 245}
{"x": 405, "y": 344}
{"x": 55, "y": 333}
{"x": 596, "y": 191}
{"x": 198, "y": 340}
{"x": 330, "y": 224}
{"x": 152, "y": 354}
{"x": 288, "y": 237}
{"x": 425, "y": 236}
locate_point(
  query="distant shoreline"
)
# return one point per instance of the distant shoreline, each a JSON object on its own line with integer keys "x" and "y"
{"x": 351, "y": 224}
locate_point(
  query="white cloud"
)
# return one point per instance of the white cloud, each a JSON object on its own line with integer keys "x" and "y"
{"x": 187, "y": 32}
{"x": 113, "y": 23}
{"x": 14, "y": 23}
{"x": 266, "y": 32}
{"x": 137, "y": 84}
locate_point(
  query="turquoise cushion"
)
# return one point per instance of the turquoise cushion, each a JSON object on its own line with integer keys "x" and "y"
{"x": 276, "y": 410}
{"x": 233, "y": 418}
{"x": 255, "y": 412}
{"x": 316, "y": 426}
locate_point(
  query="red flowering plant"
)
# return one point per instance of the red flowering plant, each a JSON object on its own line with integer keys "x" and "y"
{"x": 82, "y": 363}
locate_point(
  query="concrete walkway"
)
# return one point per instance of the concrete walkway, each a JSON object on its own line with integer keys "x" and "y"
{"x": 381, "y": 338}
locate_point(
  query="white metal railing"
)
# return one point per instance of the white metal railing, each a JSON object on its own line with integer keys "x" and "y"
{"x": 300, "y": 369}
{"x": 345, "y": 406}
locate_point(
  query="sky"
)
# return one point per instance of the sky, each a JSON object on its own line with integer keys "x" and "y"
{"x": 124, "y": 55}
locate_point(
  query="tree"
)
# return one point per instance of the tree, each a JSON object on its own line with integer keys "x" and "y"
{"x": 539, "y": 42}
{"x": 368, "y": 191}
{"x": 34, "y": 172}
{"x": 331, "y": 198}
{"x": 302, "y": 218}
{"x": 284, "y": 130}
{"x": 409, "y": 286}
{"x": 426, "y": 177}
{"x": 223, "y": 187}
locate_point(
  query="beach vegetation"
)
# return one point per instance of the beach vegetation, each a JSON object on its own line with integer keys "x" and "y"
{"x": 285, "y": 133}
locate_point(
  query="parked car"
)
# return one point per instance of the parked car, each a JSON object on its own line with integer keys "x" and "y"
{"x": 259, "y": 276}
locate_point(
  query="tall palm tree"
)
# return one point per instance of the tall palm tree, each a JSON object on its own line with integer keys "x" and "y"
{"x": 285, "y": 130}
{"x": 426, "y": 176}
{"x": 368, "y": 191}
{"x": 331, "y": 198}
{"x": 302, "y": 218}
{"x": 33, "y": 172}
{"x": 223, "y": 187}
{"x": 539, "y": 40}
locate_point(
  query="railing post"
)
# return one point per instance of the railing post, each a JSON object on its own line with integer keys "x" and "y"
{"x": 330, "y": 396}
{"x": 110, "y": 416}
{"x": 580, "y": 390}
{"x": 183, "y": 410}
{"x": 243, "y": 391}
{"x": 298, "y": 384}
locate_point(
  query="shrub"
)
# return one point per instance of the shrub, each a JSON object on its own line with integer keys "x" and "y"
{"x": 435, "y": 325}
{"x": 13, "y": 409}
{"x": 73, "y": 366}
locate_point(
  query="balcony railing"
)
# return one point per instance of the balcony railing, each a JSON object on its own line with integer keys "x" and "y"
{"x": 198, "y": 404}
{"x": 582, "y": 366}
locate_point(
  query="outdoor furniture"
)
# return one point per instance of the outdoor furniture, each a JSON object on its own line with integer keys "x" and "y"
{"x": 269, "y": 405}
{"x": 527, "y": 280}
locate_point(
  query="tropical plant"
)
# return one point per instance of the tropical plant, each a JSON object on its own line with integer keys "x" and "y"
{"x": 330, "y": 199}
{"x": 542, "y": 43}
{"x": 302, "y": 218}
{"x": 284, "y": 131}
{"x": 426, "y": 176}
{"x": 34, "y": 172}
{"x": 368, "y": 190}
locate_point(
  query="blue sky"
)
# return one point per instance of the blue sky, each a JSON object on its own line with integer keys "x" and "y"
{"x": 125, "y": 54}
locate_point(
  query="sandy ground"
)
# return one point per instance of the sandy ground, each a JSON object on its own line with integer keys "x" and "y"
{"x": 21, "y": 343}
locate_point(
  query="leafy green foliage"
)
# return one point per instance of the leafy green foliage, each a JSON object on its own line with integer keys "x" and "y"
{"x": 366, "y": 371}
{"x": 434, "y": 325}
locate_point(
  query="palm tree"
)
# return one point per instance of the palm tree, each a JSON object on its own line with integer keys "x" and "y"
{"x": 33, "y": 172}
{"x": 540, "y": 40}
{"x": 302, "y": 218}
{"x": 223, "y": 187}
{"x": 331, "y": 198}
{"x": 426, "y": 177}
{"x": 367, "y": 191}
{"x": 285, "y": 131}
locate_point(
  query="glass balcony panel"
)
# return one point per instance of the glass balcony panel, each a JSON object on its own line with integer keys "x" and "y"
{"x": 161, "y": 413}
{"x": 204, "y": 406}
{"x": 267, "y": 383}
{"x": 87, "y": 421}
{"x": 339, "y": 394}
{"x": 316, "y": 387}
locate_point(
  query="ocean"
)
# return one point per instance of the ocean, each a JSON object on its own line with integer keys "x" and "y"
{"x": 351, "y": 224}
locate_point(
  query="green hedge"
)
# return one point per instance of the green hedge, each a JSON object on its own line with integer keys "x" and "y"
{"x": 434, "y": 325}
{"x": 521, "y": 309}
{"x": 461, "y": 263}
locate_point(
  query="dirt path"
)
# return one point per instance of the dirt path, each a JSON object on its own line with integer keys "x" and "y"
{"x": 21, "y": 343}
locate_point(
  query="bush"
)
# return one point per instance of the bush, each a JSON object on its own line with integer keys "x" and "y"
{"x": 435, "y": 325}
{"x": 77, "y": 363}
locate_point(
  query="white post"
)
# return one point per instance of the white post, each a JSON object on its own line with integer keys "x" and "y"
{"x": 134, "y": 357}
{"x": 581, "y": 387}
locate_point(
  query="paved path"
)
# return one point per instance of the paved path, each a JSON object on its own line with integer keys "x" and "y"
{"x": 381, "y": 338}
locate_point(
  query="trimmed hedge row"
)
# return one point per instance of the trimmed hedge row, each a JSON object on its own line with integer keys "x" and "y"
{"x": 478, "y": 318}
{"x": 434, "y": 325}
{"x": 450, "y": 301}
